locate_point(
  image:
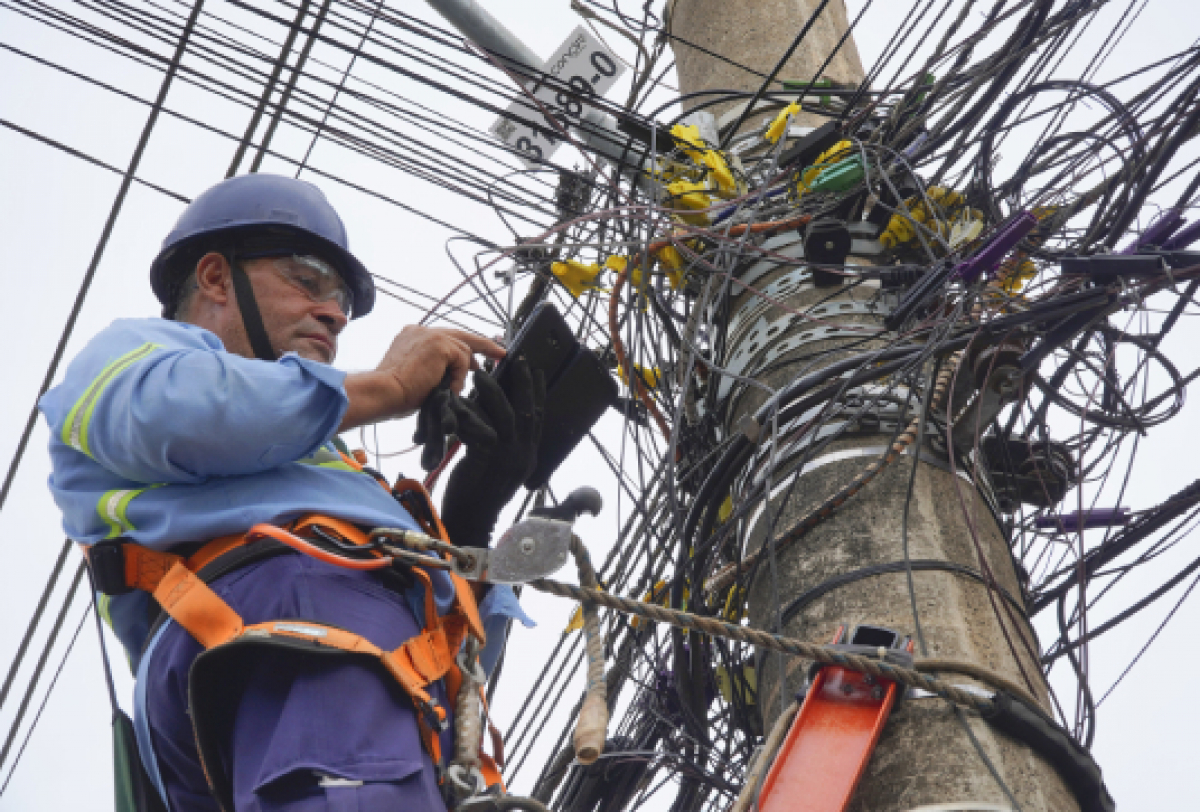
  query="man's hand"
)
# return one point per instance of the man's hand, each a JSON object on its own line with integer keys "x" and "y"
{"x": 501, "y": 430}
{"x": 419, "y": 359}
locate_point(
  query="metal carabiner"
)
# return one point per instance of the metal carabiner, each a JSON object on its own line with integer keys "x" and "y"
{"x": 465, "y": 782}
{"x": 470, "y": 666}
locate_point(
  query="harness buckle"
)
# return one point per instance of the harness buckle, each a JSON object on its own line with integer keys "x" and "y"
{"x": 417, "y": 506}
{"x": 107, "y": 560}
{"x": 433, "y": 714}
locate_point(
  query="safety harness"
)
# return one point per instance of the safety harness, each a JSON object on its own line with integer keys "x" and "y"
{"x": 180, "y": 586}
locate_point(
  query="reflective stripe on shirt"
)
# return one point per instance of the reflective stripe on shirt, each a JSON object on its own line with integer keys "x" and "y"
{"x": 113, "y": 506}
{"x": 327, "y": 457}
{"x": 74, "y": 432}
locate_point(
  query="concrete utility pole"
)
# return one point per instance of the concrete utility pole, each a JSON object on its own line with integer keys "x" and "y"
{"x": 757, "y": 34}
{"x": 926, "y": 755}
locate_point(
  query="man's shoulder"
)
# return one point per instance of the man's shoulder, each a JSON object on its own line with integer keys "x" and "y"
{"x": 124, "y": 335}
{"x": 118, "y": 345}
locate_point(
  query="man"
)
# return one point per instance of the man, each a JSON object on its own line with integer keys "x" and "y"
{"x": 224, "y": 414}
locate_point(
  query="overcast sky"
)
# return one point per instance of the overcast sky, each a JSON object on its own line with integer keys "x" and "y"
{"x": 53, "y": 207}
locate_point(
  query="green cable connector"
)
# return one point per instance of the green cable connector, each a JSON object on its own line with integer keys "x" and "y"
{"x": 927, "y": 81}
{"x": 840, "y": 177}
{"x": 820, "y": 84}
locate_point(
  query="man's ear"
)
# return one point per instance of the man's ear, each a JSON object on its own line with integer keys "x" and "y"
{"x": 212, "y": 278}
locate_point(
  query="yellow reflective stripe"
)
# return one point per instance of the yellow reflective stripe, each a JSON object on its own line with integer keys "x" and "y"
{"x": 106, "y": 615}
{"x": 105, "y": 603}
{"x": 113, "y": 506}
{"x": 337, "y": 466}
{"x": 325, "y": 458}
{"x": 74, "y": 432}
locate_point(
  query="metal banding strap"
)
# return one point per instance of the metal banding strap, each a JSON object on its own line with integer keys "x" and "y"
{"x": 964, "y": 806}
{"x": 75, "y": 430}
{"x": 785, "y": 481}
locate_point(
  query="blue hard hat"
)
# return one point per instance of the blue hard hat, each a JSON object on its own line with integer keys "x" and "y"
{"x": 257, "y": 215}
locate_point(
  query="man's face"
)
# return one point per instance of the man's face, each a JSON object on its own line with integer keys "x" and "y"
{"x": 294, "y": 322}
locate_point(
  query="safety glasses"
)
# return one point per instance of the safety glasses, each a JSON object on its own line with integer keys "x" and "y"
{"x": 316, "y": 278}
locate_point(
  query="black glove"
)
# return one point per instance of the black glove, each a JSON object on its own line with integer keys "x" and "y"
{"x": 442, "y": 413}
{"x": 500, "y": 431}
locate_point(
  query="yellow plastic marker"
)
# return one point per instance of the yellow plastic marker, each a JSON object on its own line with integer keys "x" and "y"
{"x": 650, "y": 375}
{"x": 735, "y": 605}
{"x": 689, "y": 136}
{"x": 725, "y": 510}
{"x": 722, "y": 175}
{"x": 576, "y": 276}
{"x": 692, "y": 197}
{"x": 576, "y": 621}
{"x": 656, "y": 594}
{"x": 779, "y": 125}
{"x": 671, "y": 263}
{"x": 1014, "y": 275}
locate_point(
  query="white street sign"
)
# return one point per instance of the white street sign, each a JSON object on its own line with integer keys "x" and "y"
{"x": 587, "y": 68}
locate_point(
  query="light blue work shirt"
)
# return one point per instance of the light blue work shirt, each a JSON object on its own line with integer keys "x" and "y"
{"x": 161, "y": 436}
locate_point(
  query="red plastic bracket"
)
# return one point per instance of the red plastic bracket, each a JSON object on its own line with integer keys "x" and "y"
{"x": 829, "y": 743}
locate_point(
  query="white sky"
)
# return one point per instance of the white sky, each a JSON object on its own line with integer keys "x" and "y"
{"x": 53, "y": 206}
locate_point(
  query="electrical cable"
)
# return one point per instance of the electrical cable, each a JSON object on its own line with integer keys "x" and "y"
{"x": 98, "y": 253}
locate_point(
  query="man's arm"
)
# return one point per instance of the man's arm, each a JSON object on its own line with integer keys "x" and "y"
{"x": 158, "y": 402}
{"x": 419, "y": 359}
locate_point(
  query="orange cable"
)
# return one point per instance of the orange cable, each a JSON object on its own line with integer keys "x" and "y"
{"x": 295, "y": 542}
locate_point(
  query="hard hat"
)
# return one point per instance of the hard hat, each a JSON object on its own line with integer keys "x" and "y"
{"x": 257, "y": 212}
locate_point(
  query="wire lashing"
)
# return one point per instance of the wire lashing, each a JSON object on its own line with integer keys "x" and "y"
{"x": 825, "y": 655}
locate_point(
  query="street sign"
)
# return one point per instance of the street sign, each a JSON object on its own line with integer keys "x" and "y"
{"x": 587, "y": 68}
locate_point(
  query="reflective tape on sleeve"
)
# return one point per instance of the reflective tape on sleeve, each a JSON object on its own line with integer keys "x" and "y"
{"x": 75, "y": 430}
{"x": 113, "y": 507}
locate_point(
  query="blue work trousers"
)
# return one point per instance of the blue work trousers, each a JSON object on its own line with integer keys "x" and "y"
{"x": 307, "y": 728}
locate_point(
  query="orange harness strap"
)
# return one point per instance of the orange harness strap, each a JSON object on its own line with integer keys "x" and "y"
{"x": 416, "y": 664}
{"x": 195, "y": 607}
{"x": 464, "y": 595}
{"x": 431, "y": 524}
{"x": 419, "y": 662}
{"x": 182, "y": 595}
{"x": 215, "y": 549}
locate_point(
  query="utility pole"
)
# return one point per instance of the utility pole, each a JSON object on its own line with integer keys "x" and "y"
{"x": 756, "y": 35}
{"x": 929, "y": 754}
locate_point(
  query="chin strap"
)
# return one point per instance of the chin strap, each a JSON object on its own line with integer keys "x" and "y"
{"x": 251, "y": 317}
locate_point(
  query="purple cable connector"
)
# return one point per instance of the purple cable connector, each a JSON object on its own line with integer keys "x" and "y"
{"x": 988, "y": 258}
{"x": 916, "y": 144}
{"x": 1070, "y": 522}
{"x": 1182, "y": 239}
{"x": 1157, "y": 232}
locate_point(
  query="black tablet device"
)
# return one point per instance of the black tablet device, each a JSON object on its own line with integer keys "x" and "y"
{"x": 578, "y": 386}
{"x": 544, "y": 341}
